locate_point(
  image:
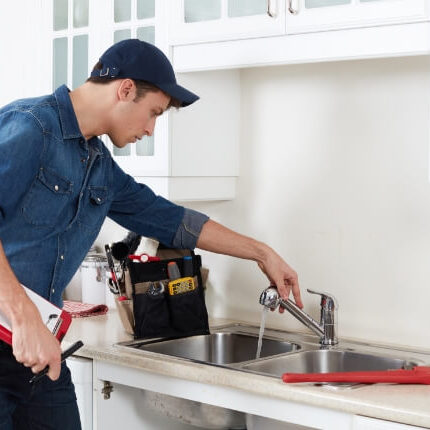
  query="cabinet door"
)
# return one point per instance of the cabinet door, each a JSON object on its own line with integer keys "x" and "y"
{"x": 366, "y": 423}
{"x": 319, "y": 15}
{"x": 79, "y": 32}
{"x": 144, "y": 20}
{"x": 214, "y": 20}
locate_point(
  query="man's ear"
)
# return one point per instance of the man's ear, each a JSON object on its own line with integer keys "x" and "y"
{"x": 126, "y": 90}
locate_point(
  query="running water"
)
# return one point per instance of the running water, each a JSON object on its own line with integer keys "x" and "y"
{"x": 260, "y": 336}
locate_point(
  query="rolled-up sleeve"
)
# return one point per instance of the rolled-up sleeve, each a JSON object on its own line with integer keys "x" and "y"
{"x": 136, "y": 207}
{"x": 189, "y": 229}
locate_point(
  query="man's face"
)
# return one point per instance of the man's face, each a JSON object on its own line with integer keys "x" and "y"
{"x": 134, "y": 119}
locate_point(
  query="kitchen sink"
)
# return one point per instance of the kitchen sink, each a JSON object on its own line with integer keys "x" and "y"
{"x": 324, "y": 361}
{"x": 218, "y": 348}
{"x": 234, "y": 346}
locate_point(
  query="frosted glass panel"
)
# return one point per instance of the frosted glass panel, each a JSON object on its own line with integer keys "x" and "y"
{"x": 201, "y": 10}
{"x": 80, "y": 13}
{"x": 80, "y": 60}
{"x": 145, "y": 9}
{"x": 122, "y": 10}
{"x": 60, "y": 14}
{"x": 323, "y": 3}
{"x": 121, "y": 35}
{"x": 122, "y": 151}
{"x": 145, "y": 146}
{"x": 246, "y": 7}
{"x": 147, "y": 34}
{"x": 59, "y": 62}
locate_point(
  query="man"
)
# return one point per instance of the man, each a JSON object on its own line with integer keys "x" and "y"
{"x": 58, "y": 182}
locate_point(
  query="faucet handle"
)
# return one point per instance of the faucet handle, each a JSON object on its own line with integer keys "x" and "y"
{"x": 327, "y": 299}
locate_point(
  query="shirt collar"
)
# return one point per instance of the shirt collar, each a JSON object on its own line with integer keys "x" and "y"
{"x": 69, "y": 122}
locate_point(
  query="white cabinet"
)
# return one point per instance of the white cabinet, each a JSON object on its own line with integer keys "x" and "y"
{"x": 193, "y": 21}
{"x": 366, "y": 423}
{"x": 209, "y": 20}
{"x": 322, "y": 15}
{"x": 189, "y": 167}
{"x": 303, "y": 31}
{"x": 81, "y": 370}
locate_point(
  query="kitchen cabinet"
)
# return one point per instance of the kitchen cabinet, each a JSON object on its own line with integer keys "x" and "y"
{"x": 323, "y": 15}
{"x": 193, "y": 21}
{"x": 177, "y": 162}
{"x": 213, "y": 20}
{"x": 303, "y": 31}
{"x": 366, "y": 423}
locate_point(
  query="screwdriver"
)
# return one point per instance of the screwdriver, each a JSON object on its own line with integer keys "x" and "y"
{"x": 67, "y": 353}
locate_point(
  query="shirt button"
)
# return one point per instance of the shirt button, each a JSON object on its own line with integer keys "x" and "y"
{"x": 99, "y": 199}
{"x": 84, "y": 160}
{"x": 53, "y": 291}
{"x": 62, "y": 257}
{"x": 56, "y": 188}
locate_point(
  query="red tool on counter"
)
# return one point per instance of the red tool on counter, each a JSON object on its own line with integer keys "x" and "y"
{"x": 416, "y": 375}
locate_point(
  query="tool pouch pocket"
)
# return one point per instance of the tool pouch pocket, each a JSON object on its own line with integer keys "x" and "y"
{"x": 168, "y": 308}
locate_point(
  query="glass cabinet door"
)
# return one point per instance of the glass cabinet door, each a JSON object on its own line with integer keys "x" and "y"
{"x": 213, "y": 20}
{"x": 70, "y": 41}
{"x": 320, "y": 15}
{"x": 137, "y": 19}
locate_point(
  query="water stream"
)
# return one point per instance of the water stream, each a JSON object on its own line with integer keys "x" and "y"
{"x": 260, "y": 336}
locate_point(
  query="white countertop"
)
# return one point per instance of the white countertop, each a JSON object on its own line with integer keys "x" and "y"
{"x": 408, "y": 404}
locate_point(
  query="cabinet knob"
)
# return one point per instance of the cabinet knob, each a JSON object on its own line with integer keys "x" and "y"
{"x": 291, "y": 9}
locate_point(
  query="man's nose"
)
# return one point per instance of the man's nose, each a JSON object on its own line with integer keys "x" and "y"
{"x": 149, "y": 129}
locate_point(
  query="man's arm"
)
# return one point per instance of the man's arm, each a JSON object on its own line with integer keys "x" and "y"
{"x": 33, "y": 344}
{"x": 216, "y": 238}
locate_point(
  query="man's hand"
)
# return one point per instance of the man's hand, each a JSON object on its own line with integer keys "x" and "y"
{"x": 281, "y": 275}
{"x": 34, "y": 345}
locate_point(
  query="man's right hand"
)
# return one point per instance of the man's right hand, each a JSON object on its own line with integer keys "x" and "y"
{"x": 34, "y": 345}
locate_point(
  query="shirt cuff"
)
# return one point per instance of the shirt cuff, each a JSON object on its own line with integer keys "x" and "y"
{"x": 189, "y": 229}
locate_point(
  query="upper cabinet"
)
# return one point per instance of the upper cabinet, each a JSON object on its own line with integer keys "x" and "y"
{"x": 187, "y": 157}
{"x": 267, "y": 32}
{"x": 322, "y": 15}
{"x": 213, "y": 20}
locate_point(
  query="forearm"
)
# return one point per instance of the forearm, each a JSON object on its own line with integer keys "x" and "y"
{"x": 215, "y": 237}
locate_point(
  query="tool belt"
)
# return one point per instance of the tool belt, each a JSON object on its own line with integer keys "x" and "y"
{"x": 159, "y": 306}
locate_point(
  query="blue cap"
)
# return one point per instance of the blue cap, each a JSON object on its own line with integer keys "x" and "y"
{"x": 135, "y": 59}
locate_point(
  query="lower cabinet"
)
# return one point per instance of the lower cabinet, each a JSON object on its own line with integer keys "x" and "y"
{"x": 124, "y": 410}
{"x": 82, "y": 377}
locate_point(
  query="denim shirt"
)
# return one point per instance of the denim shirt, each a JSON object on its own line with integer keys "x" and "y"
{"x": 56, "y": 188}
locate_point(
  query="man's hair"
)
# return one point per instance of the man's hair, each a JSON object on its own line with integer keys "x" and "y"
{"x": 142, "y": 87}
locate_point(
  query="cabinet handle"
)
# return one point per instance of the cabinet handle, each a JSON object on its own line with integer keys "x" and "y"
{"x": 271, "y": 8}
{"x": 291, "y": 8}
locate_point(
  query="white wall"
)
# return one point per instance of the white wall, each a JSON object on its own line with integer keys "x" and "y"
{"x": 334, "y": 176}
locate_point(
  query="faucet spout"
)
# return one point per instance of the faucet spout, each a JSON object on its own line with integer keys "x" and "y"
{"x": 326, "y": 329}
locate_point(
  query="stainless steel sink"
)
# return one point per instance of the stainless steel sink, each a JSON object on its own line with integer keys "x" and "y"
{"x": 218, "y": 348}
{"x": 324, "y": 361}
{"x": 234, "y": 346}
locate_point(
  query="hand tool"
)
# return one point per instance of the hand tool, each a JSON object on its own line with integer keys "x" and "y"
{"x": 416, "y": 375}
{"x": 65, "y": 354}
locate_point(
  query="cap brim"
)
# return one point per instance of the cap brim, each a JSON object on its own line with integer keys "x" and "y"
{"x": 185, "y": 96}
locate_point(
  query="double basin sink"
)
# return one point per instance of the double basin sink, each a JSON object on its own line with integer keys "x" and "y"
{"x": 234, "y": 346}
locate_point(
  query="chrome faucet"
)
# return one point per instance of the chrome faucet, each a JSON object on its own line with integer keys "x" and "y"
{"x": 326, "y": 329}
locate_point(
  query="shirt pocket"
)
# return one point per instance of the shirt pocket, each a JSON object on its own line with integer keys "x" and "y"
{"x": 94, "y": 206}
{"x": 48, "y": 198}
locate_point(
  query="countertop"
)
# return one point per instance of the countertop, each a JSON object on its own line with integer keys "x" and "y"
{"x": 408, "y": 404}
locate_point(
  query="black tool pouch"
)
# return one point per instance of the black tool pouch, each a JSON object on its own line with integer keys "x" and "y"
{"x": 167, "y": 310}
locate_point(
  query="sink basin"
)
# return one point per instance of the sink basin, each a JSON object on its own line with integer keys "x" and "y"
{"x": 324, "y": 361}
{"x": 218, "y": 348}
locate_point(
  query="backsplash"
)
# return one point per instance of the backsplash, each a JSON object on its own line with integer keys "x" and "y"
{"x": 334, "y": 176}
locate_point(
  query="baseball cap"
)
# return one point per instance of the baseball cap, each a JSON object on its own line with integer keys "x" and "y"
{"x": 135, "y": 59}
